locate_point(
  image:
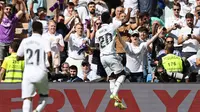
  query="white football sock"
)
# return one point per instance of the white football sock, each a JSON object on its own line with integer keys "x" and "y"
{"x": 42, "y": 104}
{"x": 27, "y": 105}
{"x": 112, "y": 85}
{"x": 118, "y": 82}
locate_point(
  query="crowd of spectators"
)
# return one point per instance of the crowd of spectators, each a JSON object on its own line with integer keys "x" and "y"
{"x": 160, "y": 43}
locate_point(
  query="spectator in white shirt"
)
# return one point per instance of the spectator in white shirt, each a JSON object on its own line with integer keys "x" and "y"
{"x": 101, "y": 7}
{"x": 82, "y": 10}
{"x": 186, "y": 7}
{"x": 92, "y": 11}
{"x": 56, "y": 42}
{"x": 197, "y": 16}
{"x": 118, "y": 12}
{"x": 135, "y": 52}
{"x": 71, "y": 16}
{"x": 92, "y": 16}
{"x": 174, "y": 23}
{"x": 75, "y": 41}
{"x": 169, "y": 8}
{"x": 131, "y": 4}
{"x": 88, "y": 74}
{"x": 40, "y": 16}
{"x": 189, "y": 37}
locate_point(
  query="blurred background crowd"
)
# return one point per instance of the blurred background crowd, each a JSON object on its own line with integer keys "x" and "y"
{"x": 167, "y": 54}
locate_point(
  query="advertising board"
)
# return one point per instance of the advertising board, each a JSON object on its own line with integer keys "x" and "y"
{"x": 94, "y": 97}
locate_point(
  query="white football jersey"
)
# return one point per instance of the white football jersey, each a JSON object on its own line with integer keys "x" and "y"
{"x": 105, "y": 37}
{"x": 34, "y": 50}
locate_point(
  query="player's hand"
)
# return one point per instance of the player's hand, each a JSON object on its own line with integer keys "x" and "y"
{"x": 130, "y": 9}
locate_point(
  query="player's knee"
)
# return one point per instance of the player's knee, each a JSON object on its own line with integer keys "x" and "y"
{"x": 121, "y": 73}
{"x": 28, "y": 98}
{"x": 112, "y": 76}
{"x": 43, "y": 99}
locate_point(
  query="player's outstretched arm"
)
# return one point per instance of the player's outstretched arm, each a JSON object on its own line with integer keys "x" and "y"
{"x": 120, "y": 39}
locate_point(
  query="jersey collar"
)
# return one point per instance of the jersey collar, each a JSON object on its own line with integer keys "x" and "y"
{"x": 36, "y": 35}
{"x": 105, "y": 24}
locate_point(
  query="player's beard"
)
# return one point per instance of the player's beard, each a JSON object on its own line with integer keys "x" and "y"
{"x": 92, "y": 12}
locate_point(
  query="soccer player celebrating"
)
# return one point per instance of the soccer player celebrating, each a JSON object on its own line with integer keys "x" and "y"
{"x": 34, "y": 50}
{"x": 105, "y": 41}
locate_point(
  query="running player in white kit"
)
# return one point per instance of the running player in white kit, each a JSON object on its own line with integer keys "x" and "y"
{"x": 34, "y": 50}
{"x": 105, "y": 41}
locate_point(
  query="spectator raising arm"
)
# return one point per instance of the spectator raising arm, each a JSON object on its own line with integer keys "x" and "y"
{"x": 2, "y": 4}
{"x": 56, "y": 15}
{"x": 127, "y": 16}
{"x": 135, "y": 25}
{"x": 32, "y": 14}
{"x": 68, "y": 35}
{"x": 155, "y": 36}
{"x": 21, "y": 10}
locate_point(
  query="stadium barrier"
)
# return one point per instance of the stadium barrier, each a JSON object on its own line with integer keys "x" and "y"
{"x": 94, "y": 97}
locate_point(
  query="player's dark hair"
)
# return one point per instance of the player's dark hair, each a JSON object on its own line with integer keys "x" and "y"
{"x": 15, "y": 45}
{"x": 37, "y": 27}
{"x": 91, "y": 3}
{"x": 105, "y": 17}
{"x": 73, "y": 67}
{"x": 70, "y": 4}
{"x": 189, "y": 15}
